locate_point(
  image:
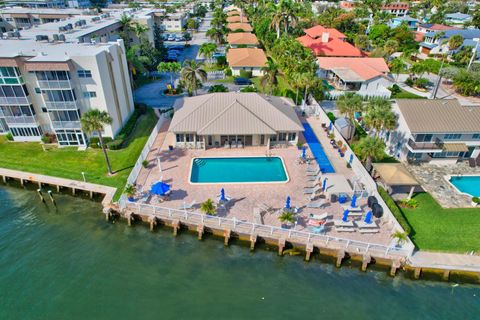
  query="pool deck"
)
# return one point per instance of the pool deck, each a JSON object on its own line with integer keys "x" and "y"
{"x": 246, "y": 197}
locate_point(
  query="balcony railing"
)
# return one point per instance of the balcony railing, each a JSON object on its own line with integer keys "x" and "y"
{"x": 54, "y": 84}
{"x": 433, "y": 145}
{"x": 61, "y": 105}
{"x": 21, "y": 120}
{"x": 66, "y": 124}
{"x": 14, "y": 101}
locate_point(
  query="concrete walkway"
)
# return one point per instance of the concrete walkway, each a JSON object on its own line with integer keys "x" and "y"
{"x": 445, "y": 261}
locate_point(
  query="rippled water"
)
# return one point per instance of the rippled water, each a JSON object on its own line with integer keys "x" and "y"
{"x": 71, "y": 264}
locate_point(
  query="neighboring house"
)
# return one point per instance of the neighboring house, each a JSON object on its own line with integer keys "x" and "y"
{"x": 79, "y": 3}
{"x": 174, "y": 22}
{"x": 457, "y": 18}
{"x": 249, "y": 119}
{"x": 424, "y": 28}
{"x": 244, "y": 27}
{"x": 234, "y": 12}
{"x": 367, "y": 77}
{"x": 248, "y": 59}
{"x": 347, "y": 5}
{"x": 436, "y": 131}
{"x": 240, "y": 18}
{"x": 242, "y": 39}
{"x": 328, "y": 42}
{"x": 399, "y": 9}
{"x": 436, "y": 43}
{"x": 411, "y": 23}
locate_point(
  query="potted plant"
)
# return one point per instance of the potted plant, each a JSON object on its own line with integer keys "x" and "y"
{"x": 340, "y": 143}
{"x": 287, "y": 218}
{"x": 475, "y": 201}
{"x": 130, "y": 191}
{"x": 299, "y": 145}
{"x": 145, "y": 163}
{"x": 400, "y": 237}
{"x": 208, "y": 207}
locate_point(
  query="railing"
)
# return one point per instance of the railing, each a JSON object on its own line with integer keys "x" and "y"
{"x": 22, "y": 120}
{"x": 61, "y": 105}
{"x": 54, "y": 84}
{"x": 436, "y": 145}
{"x": 14, "y": 100}
{"x": 215, "y": 75}
{"x": 335, "y": 94}
{"x": 264, "y": 231}
{"x": 66, "y": 124}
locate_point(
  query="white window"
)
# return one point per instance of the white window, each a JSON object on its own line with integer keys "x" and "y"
{"x": 84, "y": 73}
{"x": 90, "y": 94}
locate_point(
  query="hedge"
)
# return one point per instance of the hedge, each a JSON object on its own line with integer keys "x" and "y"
{"x": 95, "y": 142}
{"x": 331, "y": 116}
{"x": 397, "y": 213}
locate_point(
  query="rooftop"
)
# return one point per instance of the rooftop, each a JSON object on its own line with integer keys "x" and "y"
{"x": 239, "y": 38}
{"x": 246, "y": 57}
{"x": 458, "y": 16}
{"x": 332, "y": 48}
{"x": 318, "y": 30}
{"x": 355, "y": 69}
{"x": 240, "y": 26}
{"x": 439, "y": 116}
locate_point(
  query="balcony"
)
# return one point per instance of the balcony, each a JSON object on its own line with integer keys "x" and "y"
{"x": 21, "y": 121}
{"x": 423, "y": 147}
{"x": 66, "y": 125}
{"x": 14, "y": 101}
{"x": 61, "y": 105}
{"x": 54, "y": 84}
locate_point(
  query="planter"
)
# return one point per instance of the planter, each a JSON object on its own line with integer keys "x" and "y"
{"x": 131, "y": 199}
{"x": 474, "y": 204}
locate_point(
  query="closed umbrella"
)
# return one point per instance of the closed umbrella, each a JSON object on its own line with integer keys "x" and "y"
{"x": 368, "y": 217}
{"x": 351, "y": 159}
{"x": 330, "y": 126}
{"x": 324, "y": 185}
{"x": 304, "y": 152}
{"x": 222, "y": 195}
{"x": 287, "y": 203}
{"x": 345, "y": 216}
{"x": 160, "y": 188}
{"x": 353, "y": 204}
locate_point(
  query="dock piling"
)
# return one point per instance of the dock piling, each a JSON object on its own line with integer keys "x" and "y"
{"x": 50, "y": 194}
{"x": 176, "y": 226}
{"x": 340, "y": 256}
{"x": 200, "y": 230}
{"x": 253, "y": 241}
{"x": 417, "y": 273}
{"x": 153, "y": 223}
{"x": 309, "y": 250}
{"x": 446, "y": 275}
{"x": 226, "y": 234}
{"x": 4, "y": 179}
{"x": 366, "y": 259}
{"x": 39, "y": 191}
{"x": 281, "y": 246}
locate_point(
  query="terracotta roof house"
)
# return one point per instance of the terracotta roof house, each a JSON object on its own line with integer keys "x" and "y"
{"x": 245, "y": 27}
{"x": 242, "y": 39}
{"x": 249, "y": 59}
{"x": 328, "y": 42}
{"x": 367, "y": 77}
{"x": 233, "y": 118}
{"x": 398, "y": 9}
{"x": 240, "y": 18}
{"x": 435, "y": 131}
{"x": 234, "y": 12}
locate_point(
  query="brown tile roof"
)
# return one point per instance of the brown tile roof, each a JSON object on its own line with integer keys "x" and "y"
{"x": 237, "y": 19}
{"x": 238, "y": 38}
{"x": 233, "y": 13}
{"x": 439, "y": 116}
{"x": 246, "y": 57}
{"x": 240, "y": 26}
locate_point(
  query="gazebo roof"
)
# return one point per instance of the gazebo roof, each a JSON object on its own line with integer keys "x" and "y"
{"x": 395, "y": 174}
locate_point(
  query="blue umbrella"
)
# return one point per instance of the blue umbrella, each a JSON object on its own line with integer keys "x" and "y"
{"x": 345, "y": 216}
{"x": 351, "y": 158}
{"x": 160, "y": 188}
{"x": 368, "y": 217}
{"x": 222, "y": 195}
{"x": 330, "y": 126}
{"x": 353, "y": 204}
{"x": 287, "y": 203}
{"x": 304, "y": 152}
{"x": 324, "y": 185}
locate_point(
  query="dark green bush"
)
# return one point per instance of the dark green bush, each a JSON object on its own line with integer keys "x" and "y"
{"x": 245, "y": 74}
{"x": 115, "y": 144}
{"x": 9, "y": 136}
{"x": 228, "y": 72}
{"x": 95, "y": 142}
{"x": 331, "y": 116}
{"x": 397, "y": 213}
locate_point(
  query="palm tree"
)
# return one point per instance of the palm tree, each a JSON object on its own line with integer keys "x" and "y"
{"x": 397, "y": 66}
{"x": 289, "y": 11}
{"x": 349, "y": 104}
{"x": 136, "y": 63}
{"x": 139, "y": 29}
{"x": 218, "y": 22}
{"x": 271, "y": 72}
{"x": 208, "y": 207}
{"x": 380, "y": 115}
{"x": 370, "y": 149}
{"x": 390, "y": 47}
{"x": 216, "y": 34}
{"x": 94, "y": 121}
{"x": 126, "y": 24}
{"x": 401, "y": 237}
{"x": 170, "y": 67}
{"x": 207, "y": 50}
{"x": 276, "y": 19}
{"x": 455, "y": 42}
{"x": 192, "y": 74}
{"x": 287, "y": 217}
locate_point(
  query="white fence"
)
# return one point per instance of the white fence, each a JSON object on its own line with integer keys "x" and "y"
{"x": 380, "y": 93}
{"x": 215, "y": 75}
{"x": 271, "y": 232}
{"x": 360, "y": 172}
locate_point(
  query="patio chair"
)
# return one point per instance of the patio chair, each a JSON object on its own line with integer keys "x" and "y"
{"x": 314, "y": 173}
{"x": 188, "y": 206}
{"x": 314, "y": 182}
{"x": 312, "y": 178}
{"x": 311, "y": 190}
{"x": 226, "y": 145}
{"x": 319, "y": 229}
{"x": 233, "y": 144}
{"x": 317, "y": 204}
{"x": 240, "y": 144}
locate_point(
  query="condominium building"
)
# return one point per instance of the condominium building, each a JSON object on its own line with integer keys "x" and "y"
{"x": 46, "y": 86}
{"x": 36, "y": 3}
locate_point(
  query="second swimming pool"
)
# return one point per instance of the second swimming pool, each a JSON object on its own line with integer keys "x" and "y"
{"x": 467, "y": 184}
{"x": 238, "y": 170}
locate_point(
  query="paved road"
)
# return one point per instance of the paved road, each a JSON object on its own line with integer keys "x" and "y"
{"x": 152, "y": 93}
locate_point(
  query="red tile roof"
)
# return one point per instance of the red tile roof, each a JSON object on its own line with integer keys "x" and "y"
{"x": 317, "y": 31}
{"x": 332, "y": 48}
{"x": 364, "y": 68}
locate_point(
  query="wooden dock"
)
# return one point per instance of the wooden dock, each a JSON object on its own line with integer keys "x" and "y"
{"x": 60, "y": 183}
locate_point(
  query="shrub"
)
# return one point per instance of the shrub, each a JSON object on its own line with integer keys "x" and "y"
{"x": 331, "y": 116}
{"x": 397, "y": 213}
{"x": 249, "y": 89}
{"x": 142, "y": 107}
{"x": 221, "y": 61}
{"x": 218, "y": 88}
{"x": 228, "y": 72}
{"x": 9, "y": 136}
{"x": 95, "y": 142}
{"x": 408, "y": 203}
{"x": 422, "y": 83}
{"x": 476, "y": 200}
{"x": 395, "y": 89}
{"x": 409, "y": 82}
{"x": 145, "y": 163}
{"x": 245, "y": 74}
{"x": 115, "y": 144}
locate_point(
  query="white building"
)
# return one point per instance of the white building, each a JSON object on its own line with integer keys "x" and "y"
{"x": 247, "y": 59}
{"x": 435, "y": 131}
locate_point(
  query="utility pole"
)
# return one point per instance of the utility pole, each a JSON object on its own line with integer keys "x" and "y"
{"x": 474, "y": 54}
{"x": 439, "y": 81}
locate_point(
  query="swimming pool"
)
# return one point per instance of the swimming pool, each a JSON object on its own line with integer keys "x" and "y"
{"x": 238, "y": 170}
{"x": 317, "y": 149}
{"x": 467, "y": 184}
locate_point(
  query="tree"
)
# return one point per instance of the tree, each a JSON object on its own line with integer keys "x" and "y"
{"x": 136, "y": 63}
{"x": 370, "y": 149}
{"x": 93, "y": 121}
{"x": 217, "y": 88}
{"x": 378, "y": 33}
{"x": 348, "y": 104}
{"x": 400, "y": 237}
{"x": 380, "y": 115}
{"x": 191, "y": 24}
{"x": 192, "y": 75}
{"x": 208, "y": 207}
{"x": 397, "y": 66}
{"x": 170, "y": 67}
{"x": 271, "y": 72}
{"x": 207, "y": 50}
{"x": 158, "y": 40}
{"x": 139, "y": 29}
{"x": 455, "y": 42}
{"x": 287, "y": 217}
{"x": 216, "y": 34}
{"x": 126, "y": 26}
{"x": 467, "y": 82}
{"x": 476, "y": 17}
{"x": 362, "y": 42}
{"x": 390, "y": 47}
{"x": 276, "y": 19}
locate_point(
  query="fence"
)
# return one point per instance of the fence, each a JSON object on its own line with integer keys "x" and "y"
{"x": 314, "y": 108}
{"x": 215, "y": 75}
{"x": 269, "y": 232}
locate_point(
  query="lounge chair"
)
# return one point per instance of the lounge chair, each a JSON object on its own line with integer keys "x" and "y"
{"x": 352, "y": 209}
{"x": 240, "y": 145}
{"x": 314, "y": 173}
{"x": 188, "y": 206}
{"x": 363, "y": 225}
{"x": 314, "y": 182}
{"x": 313, "y": 178}
{"x": 317, "y": 204}
{"x": 233, "y": 144}
{"x": 322, "y": 216}
{"x": 319, "y": 229}
{"x": 226, "y": 145}
{"x": 312, "y": 190}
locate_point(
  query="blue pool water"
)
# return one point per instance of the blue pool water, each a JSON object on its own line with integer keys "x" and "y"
{"x": 467, "y": 184}
{"x": 317, "y": 149}
{"x": 235, "y": 170}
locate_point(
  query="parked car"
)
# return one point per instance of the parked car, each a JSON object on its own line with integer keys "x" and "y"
{"x": 242, "y": 81}
{"x": 218, "y": 55}
{"x": 179, "y": 38}
{"x": 176, "y": 47}
{"x": 171, "y": 38}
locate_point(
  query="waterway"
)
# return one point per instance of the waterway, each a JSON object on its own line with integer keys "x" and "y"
{"x": 69, "y": 263}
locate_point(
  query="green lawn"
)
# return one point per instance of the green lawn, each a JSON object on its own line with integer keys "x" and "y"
{"x": 69, "y": 163}
{"x": 406, "y": 95}
{"x": 283, "y": 88}
{"x": 438, "y": 229}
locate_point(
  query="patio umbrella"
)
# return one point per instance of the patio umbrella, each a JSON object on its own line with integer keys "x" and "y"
{"x": 222, "y": 195}
{"x": 160, "y": 188}
{"x": 351, "y": 159}
{"x": 368, "y": 217}
{"x": 324, "y": 185}
{"x": 353, "y": 204}
{"x": 304, "y": 152}
{"x": 345, "y": 216}
{"x": 330, "y": 126}
{"x": 287, "y": 203}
